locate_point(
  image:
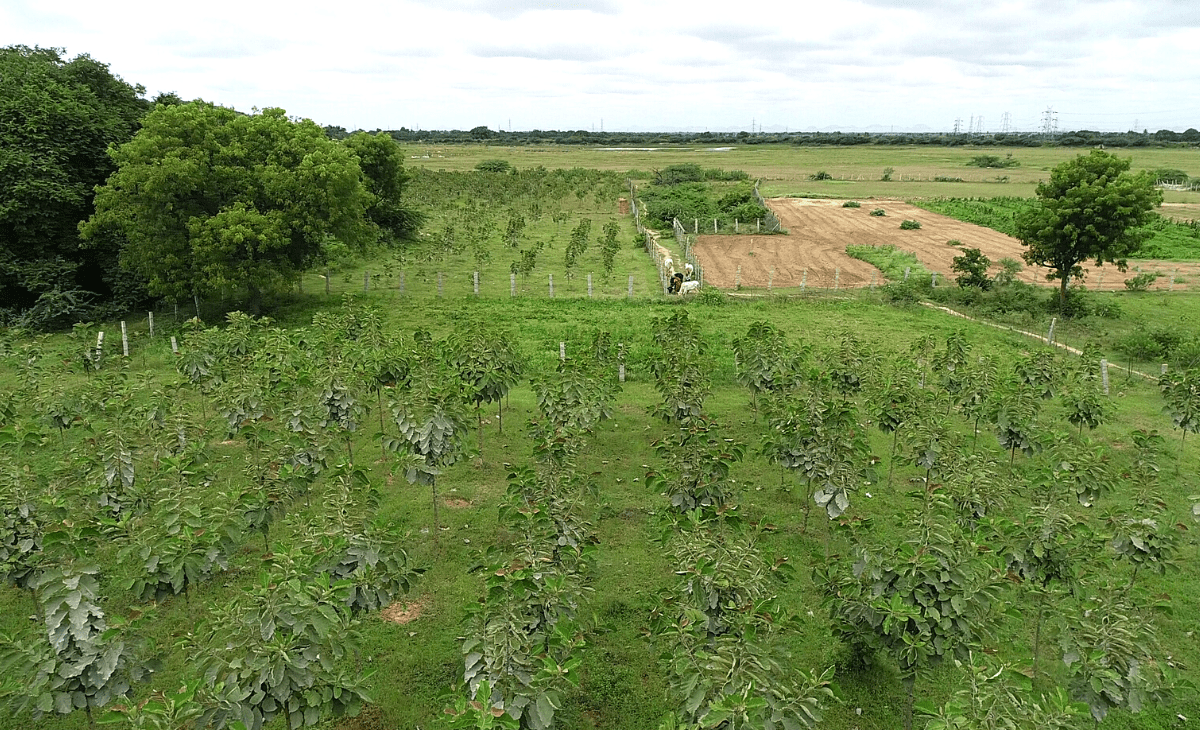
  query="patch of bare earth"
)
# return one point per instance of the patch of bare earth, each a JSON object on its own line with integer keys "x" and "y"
{"x": 402, "y": 613}
{"x": 457, "y": 503}
{"x": 814, "y": 251}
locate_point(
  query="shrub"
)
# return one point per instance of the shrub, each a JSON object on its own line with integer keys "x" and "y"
{"x": 954, "y": 242}
{"x": 851, "y": 204}
{"x": 909, "y": 225}
{"x": 494, "y": 166}
{"x": 878, "y": 212}
{"x": 993, "y": 161}
{"x": 1142, "y": 281}
{"x": 972, "y": 268}
{"x": 1009, "y": 268}
{"x": 822, "y": 175}
{"x": 887, "y": 174}
{"x": 946, "y": 178}
{"x": 1169, "y": 175}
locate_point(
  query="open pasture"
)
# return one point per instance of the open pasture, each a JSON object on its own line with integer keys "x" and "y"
{"x": 856, "y": 171}
{"x": 814, "y": 250}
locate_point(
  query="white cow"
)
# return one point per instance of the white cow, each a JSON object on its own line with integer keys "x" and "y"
{"x": 688, "y": 271}
{"x": 689, "y": 287}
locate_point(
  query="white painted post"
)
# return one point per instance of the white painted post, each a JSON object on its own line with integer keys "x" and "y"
{"x": 758, "y": 227}
{"x": 1104, "y": 375}
{"x": 401, "y": 283}
{"x": 714, "y": 225}
{"x": 803, "y": 280}
{"x": 551, "y": 286}
{"x": 872, "y": 282}
{"x": 196, "y": 301}
{"x": 737, "y": 278}
{"x": 174, "y": 346}
{"x": 771, "y": 280}
{"x": 124, "y": 340}
{"x": 366, "y": 281}
{"x": 1162, "y": 371}
{"x": 621, "y": 362}
{"x": 512, "y": 285}
{"x": 100, "y": 345}
{"x": 476, "y": 283}
{"x": 562, "y": 351}
{"x": 150, "y": 316}
{"x": 440, "y": 285}
{"x": 737, "y": 225}
{"x": 1100, "y": 283}
{"x": 630, "y": 295}
{"x": 696, "y": 226}
{"x": 837, "y": 278}
{"x": 589, "y": 285}
{"x": 1050, "y": 334}
{"x": 933, "y": 280}
{"x": 907, "y": 270}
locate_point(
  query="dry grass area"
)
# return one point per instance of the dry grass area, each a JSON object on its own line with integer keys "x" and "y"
{"x": 814, "y": 251}
{"x": 403, "y": 613}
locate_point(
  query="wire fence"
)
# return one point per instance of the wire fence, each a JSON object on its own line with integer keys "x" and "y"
{"x": 650, "y": 238}
{"x": 773, "y": 224}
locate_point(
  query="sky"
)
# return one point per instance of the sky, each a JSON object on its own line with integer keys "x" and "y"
{"x": 648, "y": 65}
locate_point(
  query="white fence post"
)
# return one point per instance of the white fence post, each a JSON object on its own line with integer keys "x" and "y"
{"x": 803, "y": 280}
{"x": 1050, "y": 334}
{"x": 589, "y": 285}
{"x": 907, "y": 271}
{"x": 737, "y": 278}
{"x": 439, "y": 285}
{"x": 771, "y": 280}
{"x": 551, "y": 286}
{"x": 562, "y": 351}
{"x": 630, "y": 294}
{"x": 512, "y": 285}
{"x": 696, "y": 226}
{"x": 837, "y": 278}
{"x": 150, "y": 317}
{"x": 174, "y": 346}
{"x": 620, "y": 362}
{"x": 100, "y": 346}
{"x": 933, "y": 280}
{"x": 1162, "y": 371}
{"x": 476, "y": 283}
{"x": 124, "y": 340}
{"x": 737, "y": 225}
{"x": 872, "y": 281}
{"x": 1104, "y": 375}
{"x": 758, "y": 226}
{"x": 714, "y": 225}
{"x": 401, "y": 283}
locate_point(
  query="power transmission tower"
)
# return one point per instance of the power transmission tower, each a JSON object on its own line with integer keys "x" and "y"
{"x": 1049, "y": 121}
{"x": 971, "y": 126}
{"x": 958, "y": 125}
{"x": 979, "y": 125}
{"x": 1005, "y": 122}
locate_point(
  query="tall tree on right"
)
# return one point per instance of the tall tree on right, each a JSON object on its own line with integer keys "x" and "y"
{"x": 1093, "y": 208}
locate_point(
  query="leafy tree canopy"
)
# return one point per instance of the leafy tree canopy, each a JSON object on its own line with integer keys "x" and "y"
{"x": 1091, "y": 208}
{"x": 382, "y": 164}
{"x": 57, "y": 119}
{"x": 207, "y": 199}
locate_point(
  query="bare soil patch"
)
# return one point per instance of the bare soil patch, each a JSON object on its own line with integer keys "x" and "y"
{"x": 814, "y": 251}
{"x": 457, "y": 503}
{"x": 402, "y": 613}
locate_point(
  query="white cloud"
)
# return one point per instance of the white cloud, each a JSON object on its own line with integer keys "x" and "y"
{"x": 651, "y": 64}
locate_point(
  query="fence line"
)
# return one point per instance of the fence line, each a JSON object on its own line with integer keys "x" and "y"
{"x": 773, "y": 224}
{"x": 649, "y": 237}
{"x": 685, "y": 244}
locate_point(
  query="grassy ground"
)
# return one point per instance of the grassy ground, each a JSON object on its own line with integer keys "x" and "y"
{"x": 621, "y": 683}
{"x": 856, "y": 170}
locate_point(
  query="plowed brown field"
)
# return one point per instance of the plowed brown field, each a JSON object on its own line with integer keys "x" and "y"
{"x": 814, "y": 251}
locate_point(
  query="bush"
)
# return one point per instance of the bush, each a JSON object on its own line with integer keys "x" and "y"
{"x": 909, "y": 225}
{"x": 851, "y": 204}
{"x": 972, "y": 268}
{"x": 878, "y": 212}
{"x": 494, "y": 166}
{"x": 887, "y": 174}
{"x": 1169, "y": 175}
{"x": 945, "y": 178}
{"x": 993, "y": 161}
{"x": 1009, "y": 268}
{"x": 822, "y": 175}
{"x": 1142, "y": 281}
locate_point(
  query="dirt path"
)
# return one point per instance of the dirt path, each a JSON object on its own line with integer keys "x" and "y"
{"x": 820, "y": 230}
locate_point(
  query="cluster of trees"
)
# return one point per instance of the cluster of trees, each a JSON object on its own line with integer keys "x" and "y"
{"x": 108, "y": 196}
{"x": 942, "y": 591}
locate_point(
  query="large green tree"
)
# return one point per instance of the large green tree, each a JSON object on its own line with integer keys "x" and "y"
{"x": 1091, "y": 208}
{"x": 57, "y": 120}
{"x": 382, "y": 163}
{"x": 208, "y": 200}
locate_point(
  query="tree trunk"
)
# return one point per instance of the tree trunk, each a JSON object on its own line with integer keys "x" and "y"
{"x": 1062, "y": 290}
{"x": 436, "y": 524}
{"x": 892, "y": 460}
{"x": 479, "y": 428}
{"x": 382, "y": 430}
{"x": 1037, "y": 633}
{"x": 500, "y": 413}
{"x": 909, "y": 681}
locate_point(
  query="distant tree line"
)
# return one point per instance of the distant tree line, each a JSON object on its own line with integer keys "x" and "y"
{"x": 1079, "y": 138}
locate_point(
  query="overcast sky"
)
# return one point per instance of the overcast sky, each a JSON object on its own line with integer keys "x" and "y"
{"x": 650, "y": 65}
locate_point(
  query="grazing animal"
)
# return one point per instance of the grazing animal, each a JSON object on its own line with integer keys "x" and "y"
{"x": 689, "y": 287}
{"x": 676, "y": 284}
{"x": 688, "y": 271}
